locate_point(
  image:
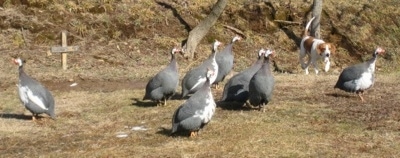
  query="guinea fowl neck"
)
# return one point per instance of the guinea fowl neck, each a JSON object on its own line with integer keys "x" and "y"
{"x": 373, "y": 59}
{"x": 214, "y": 52}
{"x": 266, "y": 60}
{"x": 207, "y": 84}
{"x": 265, "y": 65}
{"x": 173, "y": 62}
{"x": 20, "y": 69}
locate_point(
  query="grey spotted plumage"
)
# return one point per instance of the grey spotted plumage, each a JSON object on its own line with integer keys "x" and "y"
{"x": 262, "y": 84}
{"x": 195, "y": 78}
{"x": 224, "y": 60}
{"x": 34, "y": 96}
{"x": 359, "y": 77}
{"x": 196, "y": 111}
{"x": 163, "y": 85}
{"x": 237, "y": 88}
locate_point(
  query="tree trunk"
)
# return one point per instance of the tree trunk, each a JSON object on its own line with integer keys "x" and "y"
{"x": 315, "y": 26}
{"x": 201, "y": 30}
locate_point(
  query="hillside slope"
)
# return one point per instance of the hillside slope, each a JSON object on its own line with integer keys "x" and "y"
{"x": 126, "y": 35}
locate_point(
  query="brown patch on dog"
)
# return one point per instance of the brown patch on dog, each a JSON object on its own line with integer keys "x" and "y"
{"x": 308, "y": 44}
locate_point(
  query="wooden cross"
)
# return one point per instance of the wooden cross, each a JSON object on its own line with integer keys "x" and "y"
{"x": 64, "y": 49}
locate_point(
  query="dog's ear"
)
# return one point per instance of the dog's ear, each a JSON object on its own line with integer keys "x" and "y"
{"x": 320, "y": 49}
{"x": 333, "y": 49}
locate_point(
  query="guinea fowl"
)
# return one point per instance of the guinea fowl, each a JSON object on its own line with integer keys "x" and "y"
{"x": 237, "y": 88}
{"x": 197, "y": 111}
{"x": 224, "y": 60}
{"x": 359, "y": 77}
{"x": 164, "y": 84}
{"x": 36, "y": 98}
{"x": 195, "y": 78}
{"x": 262, "y": 84}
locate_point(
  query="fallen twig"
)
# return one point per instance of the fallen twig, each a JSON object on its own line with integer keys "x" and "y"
{"x": 288, "y": 22}
{"x": 235, "y": 30}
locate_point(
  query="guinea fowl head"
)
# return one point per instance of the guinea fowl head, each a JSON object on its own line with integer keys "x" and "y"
{"x": 269, "y": 53}
{"x": 379, "y": 51}
{"x": 18, "y": 61}
{"x": 215, "y": 45}
{"x": 236, "y": 38}
{"x": 176, "y": 50}
{"x": 261, "y": 53}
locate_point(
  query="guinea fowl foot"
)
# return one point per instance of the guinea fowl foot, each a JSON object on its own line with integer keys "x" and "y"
{"x": 247, "y": 104}
{"x": 261, "y": 108}
{"x": 360, "y": 95}
{"x": 362, "y": 99}
{"x": 34, "y": 119}
{"x": 193, "y": 134}
{"x": 216, "y": 86}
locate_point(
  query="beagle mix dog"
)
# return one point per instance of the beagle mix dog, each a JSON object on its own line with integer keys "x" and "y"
{"x": 315, "y": 49}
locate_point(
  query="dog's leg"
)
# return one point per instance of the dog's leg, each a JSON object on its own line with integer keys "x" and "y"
{"x": 327, "y": 65}
{"x": 307, "y": 64}
{"x": 302, "y": 55}
{"x": 315, "y": 67}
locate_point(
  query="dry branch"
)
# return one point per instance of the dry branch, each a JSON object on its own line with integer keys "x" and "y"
{"x": 237, "y": 31}
{"x": 288, "y": 22}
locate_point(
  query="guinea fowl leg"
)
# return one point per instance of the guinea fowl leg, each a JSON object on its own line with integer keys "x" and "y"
{"x": 159, "y": 103}
{"x": 165, "y": 101}
{"x": 247, "y": 104}
{"x": 34, "y": 118}
{"x": 262, "y": 107}
{"x": 360, "y": 93}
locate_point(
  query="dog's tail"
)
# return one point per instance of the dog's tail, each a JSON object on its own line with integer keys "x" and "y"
{"x": 308, "y": 26}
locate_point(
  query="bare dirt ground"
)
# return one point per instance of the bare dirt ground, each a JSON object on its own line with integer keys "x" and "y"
{"x": 124, "y": 43}
{"x": 307, "y": 117}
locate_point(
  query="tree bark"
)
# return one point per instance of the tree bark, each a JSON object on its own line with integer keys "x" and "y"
{"x": 201, "y": 30}
{"x": 315, "y": 26}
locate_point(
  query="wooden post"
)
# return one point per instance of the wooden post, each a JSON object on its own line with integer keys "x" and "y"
{"x": 64, "y": 54}
{"x": 64, "y": 49}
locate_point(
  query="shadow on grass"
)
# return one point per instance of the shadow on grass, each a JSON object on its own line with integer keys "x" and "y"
{"x": 148, "y": 103}
{"x": 232, "y": 106}
{"x": 337, "y": 95}
{"x": 179, "y": 97}
{"x": 140, "y": 103}
{"x": 18, "y": 116}
{"x": 164, "y": 131}
{"x": 167, "y": 132}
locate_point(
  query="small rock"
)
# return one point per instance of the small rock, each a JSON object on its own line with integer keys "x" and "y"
{"x": 74, "y": 84}
{"x": 138, "y": 128}
{"x": 122, "y": 135}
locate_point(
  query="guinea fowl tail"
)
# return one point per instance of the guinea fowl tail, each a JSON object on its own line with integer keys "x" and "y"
{"x": 184, "y": 93}
{"x": 146, "y": 96}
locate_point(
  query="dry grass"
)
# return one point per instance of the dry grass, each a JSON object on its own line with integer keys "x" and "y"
{"x": 307, "y": 118}
{"x": 124, "y": 43}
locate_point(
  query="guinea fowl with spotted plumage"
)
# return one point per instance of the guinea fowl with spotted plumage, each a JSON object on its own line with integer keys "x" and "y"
{"x": 34, "y": 96}
{"x": 237, "y": 88}
{"x": 196, "y": 111}
{"x": 163, "y": 85}
{"x": 224, "y": 60}
{"x": 262, "y": 84}
{"x": 359, "y": 77}
{"x": 195, "y": 78}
